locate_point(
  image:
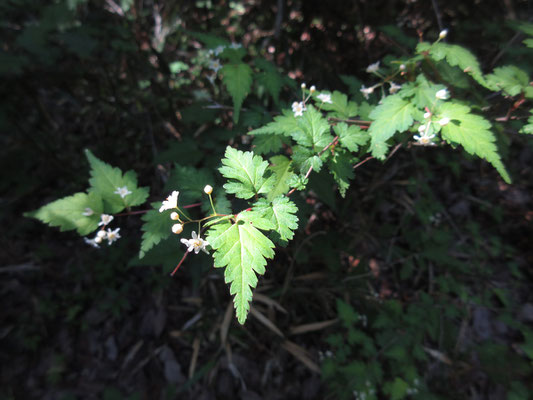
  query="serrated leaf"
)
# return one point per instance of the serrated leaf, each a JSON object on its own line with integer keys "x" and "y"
{"x": 242, "y": 249}
{"x": 268, "y": 143}
{"x": 105, "y": 180}
{"x": 304, "y": 158}
{"x": 281, "y": 212}
{"x": 238, "y": 80}
{"x": 393, "y": 115}
{"x": 512, "y": 80}
{"x": 314, "y": 130}
{"x": 67, "y": 213}
{"x": 455, "y": 56}
{"x": 156, "y": 227}
{"x": 528, "y": 128}
{"x": 270, "y": 78}
{"x": 341, "y": 167}
{"x": 339, "y": 107}
{"x": 351, "y": 136}
{"x": 245, "y": 172}
{"x": 421, "y": 92}
{"x": 190, "y": 182}
{"x": 285, "y": 124}
{"x": 282, "y": 172}
{"x": 473, "y": 133}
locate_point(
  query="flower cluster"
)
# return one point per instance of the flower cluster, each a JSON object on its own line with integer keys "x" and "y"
{"x": 111, "y": 235}
{"x": 425, "y": 136}
{"x": 366, "y": 393}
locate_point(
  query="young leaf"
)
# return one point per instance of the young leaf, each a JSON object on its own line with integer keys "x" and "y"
{"x": 473, "y": 133}
{"x": 340, "y": 107}
{"x": 512, "y": 80}
{"x": 242, "y": 249}
{"x": 106, "y": 180}
{"x": 281, "y": 212}
{"x": 238, "y": 80}
{"x": 157, "y": 226}
{"x": 455, "y": 56}
{"x": 392, "y": 115}
{"x": 314, "y": 130}
{"x": 351, "y": 136}
{"x": 341, "y": 167}
{"x": 282, "y": 170}
{"x": 245, "y": 172}
{"x": 67, "y": 213}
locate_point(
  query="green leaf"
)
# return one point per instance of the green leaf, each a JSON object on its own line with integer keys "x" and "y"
{"x": 340, "y": 107}
{"x": 238, "y": 80}
{"x": 270, "y": 78}
{"x": 473, "y": 133}
{"x": 190, "y": 182}
{"x": 528, "y": 128}
{"x": 341, "y": 167}
{"x": 351, "y": 136}
{"x": 105, "y": 180}
{"x": 281, "y": 213}
{"x": 421, "y": 93}
{"x": 528, "y": 43}
{"x": 456, "y": 56}
{"x": 282, "y": 171}
{"x": 267, "y": 143}
{"x": 157, "y": 226}
{"x": 314, "y": 130}
{"x": 67, "y": 213}
{"x": 245, "y": 172}
{"x": 242, "y": 249}
{"x": 305, "y": 158}
{"x": 512, "y": 80}
{"x": 393, "y": 115}
{"x": 285, "y": 124}
{"x": 398, "y": 389}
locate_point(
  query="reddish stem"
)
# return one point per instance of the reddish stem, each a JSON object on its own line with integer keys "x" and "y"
{"x": 192, "y": 205}
{"x": 181, "y": 262}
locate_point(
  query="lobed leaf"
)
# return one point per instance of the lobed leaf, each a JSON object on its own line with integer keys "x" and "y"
{"x": 314, "y": 130}
{"x": 238, "y": 80}
{"x": 282, "y": 172}
{"x": 512, "y": 80}
{"x": 242, "y": 250}
{"x": 281, "y": 212}
{"x": 157, "y": 226}
{"x": 351, "y": 136}
{"x": 341, "y": 167}
{"x": 339, "y": 107}
{"x": 245, "y": 172}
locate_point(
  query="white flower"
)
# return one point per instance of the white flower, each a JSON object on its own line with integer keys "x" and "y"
{"x": 208, "y": 189}
{"x": 444, "y": 121}
{"x": 106, "y": 219}
{"x": 394, "y": 88}
{"x": 170, "y": 202}
{"x": 424, "y": 139}
{"x": 324, "y": 98}
{"x": 215, "y": 65}
{"x": 113, "y": 236}
{"x": 298, "y": 108}
{"x": 174, "y": 216}
{"x": 372, "y": 67}
{"x": 87, "y": 212}
{"x": 312, "y": 89}
{"x": 443, "y": 33}
{"x": 91, "y": 242}
{"x": 122, "y": 191}
{"x": 442, "y": 94}
{"x": 427, "y": 115}
{"x": 177, "y": 228}
{"x": 196, "y": 244}
{"x": 366, "y": 91}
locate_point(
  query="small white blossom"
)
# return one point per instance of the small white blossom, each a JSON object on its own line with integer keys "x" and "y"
{"x": 394, "y": 87}
{"x": 113, "y": 236}
{"x": 215, "y": 65}
{"x": 444, "y": 121}
{"x": 174, "y": 216}
{"x": 312, "y": 89}
{"x": 443, "y": 33}
{"x": 372, "y": 67}
{"x": 105, "y": 219}
{"x": 177, "y": 228}
{"x": 424, "y": 139}
{"x": 91, "y": 242}
{"x": 324, "y": 98}
{"x": 87, "y": 212}
{"x": 208, "y": 189}
{"x": 196, "y": 244}
{"x": 101, "y": 234}
{"x": 298, "y": 108}
{"x": 122, "y": 191}
{"x": 442, "y": 94}
{"x": 427, "y": 115}
{"x": 367, "y": 91}
{"x": 170, "y": 202}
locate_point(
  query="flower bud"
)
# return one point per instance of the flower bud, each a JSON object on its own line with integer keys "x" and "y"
{"x": 98, "y": 239}
{"x": 101, "y": 234}
{"x": 427, "y": 115}
{"x": 303, "y": 86}
{"x": 174, "y": 216}
{"x": 177, "y": 228}
{"x": 443, "y": 34}
{"x": 208, "y": 189}
{"x": 312, "y": 88}
{"x": 444, "y": 121}
{"x": 402, "y": 67}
